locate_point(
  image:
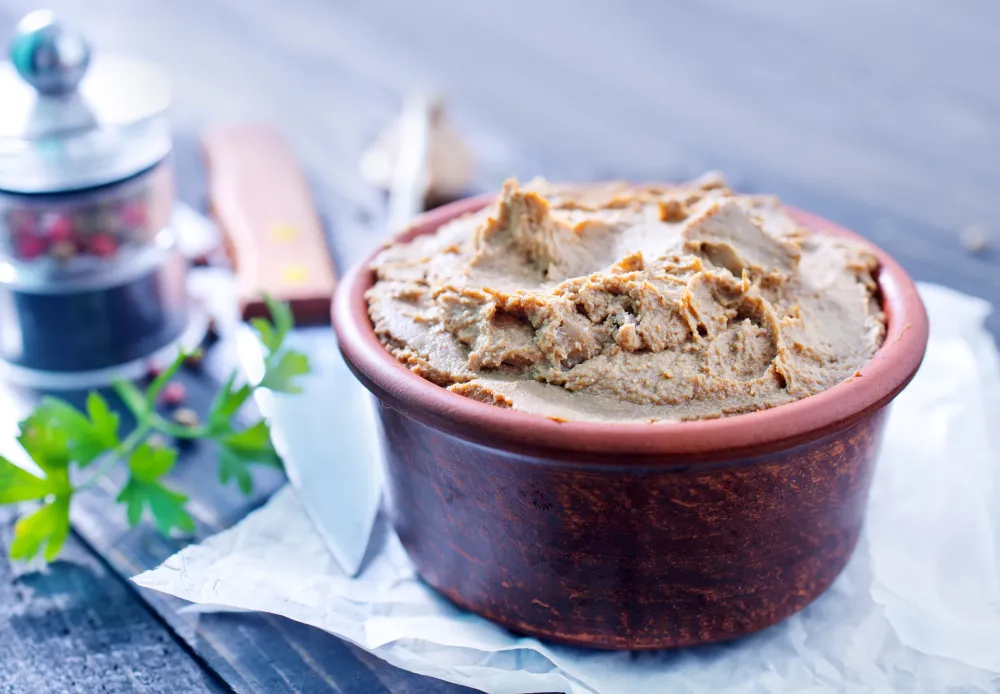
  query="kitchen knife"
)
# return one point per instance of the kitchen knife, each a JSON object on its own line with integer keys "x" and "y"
{"x": 260, "y": 198}
{"x": 325, "y": 435}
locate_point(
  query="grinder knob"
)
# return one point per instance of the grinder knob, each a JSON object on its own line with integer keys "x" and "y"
{"x": 49, "y": 56}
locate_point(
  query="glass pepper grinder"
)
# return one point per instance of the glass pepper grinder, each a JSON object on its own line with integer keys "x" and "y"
{"x": 92, "y": 286}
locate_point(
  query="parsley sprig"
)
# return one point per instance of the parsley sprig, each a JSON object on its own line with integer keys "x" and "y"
{"x": 74, "y": 449}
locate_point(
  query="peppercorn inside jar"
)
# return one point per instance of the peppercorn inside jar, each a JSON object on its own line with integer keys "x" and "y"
{"x": 97, "y": 223}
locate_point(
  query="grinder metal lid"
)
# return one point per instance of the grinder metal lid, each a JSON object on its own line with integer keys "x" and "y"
{"x": 68, "y": 122}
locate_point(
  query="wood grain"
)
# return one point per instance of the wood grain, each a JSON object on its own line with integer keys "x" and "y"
{"x": 75, "y": 628}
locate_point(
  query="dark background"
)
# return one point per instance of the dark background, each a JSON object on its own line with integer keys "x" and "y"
{"x": 882, "y": 115}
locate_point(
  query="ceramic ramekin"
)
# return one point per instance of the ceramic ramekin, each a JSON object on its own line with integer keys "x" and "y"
{"x": 630, "y": 536}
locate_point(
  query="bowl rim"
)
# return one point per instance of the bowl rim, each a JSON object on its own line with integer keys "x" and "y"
{"x": 878, "y": 381}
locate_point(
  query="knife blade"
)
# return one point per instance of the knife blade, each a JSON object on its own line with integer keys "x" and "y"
{"x": 326, "y": 435}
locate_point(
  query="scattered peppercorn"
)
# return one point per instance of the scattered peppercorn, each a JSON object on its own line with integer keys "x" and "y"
{"x": 975, "y": 238}
{"x": 173, "y": 394}
{"x": 195, "y": 359}
{"x": 186, "y": 417}
{"x": 156, "y": 440}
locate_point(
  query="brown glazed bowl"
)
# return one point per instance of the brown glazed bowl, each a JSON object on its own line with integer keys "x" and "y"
{"x": 630, "y": 536}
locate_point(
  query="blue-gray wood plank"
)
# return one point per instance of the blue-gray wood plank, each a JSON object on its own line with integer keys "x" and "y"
{"x": 77, "y": 627}
{"x": 884, "y": 116}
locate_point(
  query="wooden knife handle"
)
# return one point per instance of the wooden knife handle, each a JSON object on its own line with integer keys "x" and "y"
{"x": 260, "y": 199}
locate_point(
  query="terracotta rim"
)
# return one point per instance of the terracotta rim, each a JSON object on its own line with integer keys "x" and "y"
{"x": 881, "y": 379}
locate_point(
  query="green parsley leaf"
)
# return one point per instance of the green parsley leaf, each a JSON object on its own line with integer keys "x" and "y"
{"x": 272, "y": 333}
{"x": 278, "y": 377}
{"x": 268, "y": 336}
{"x": 133, "y": 398}
{"x": 148, "y": 464}
{"x": 254, "y": 442}
{"x": 225, "y": 405}
{"x": 281, "y": 317}
{"x": 44, "y": 441}
{"x": 165, "y": 505}
{"x": 103, "y": 420}
{"x": 144, "y": 490}
{"x": 17, "y": 484}
{"x": 232, "y": 466}
{"x": 240, "y": 450}
{"x": 47, "y": 527}
{"x": 87, "y": 438}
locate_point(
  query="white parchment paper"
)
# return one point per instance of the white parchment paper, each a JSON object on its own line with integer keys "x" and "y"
{"x": 917, "y": 609}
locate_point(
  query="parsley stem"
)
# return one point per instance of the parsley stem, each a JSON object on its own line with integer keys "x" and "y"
{"x": 176, "y": 430}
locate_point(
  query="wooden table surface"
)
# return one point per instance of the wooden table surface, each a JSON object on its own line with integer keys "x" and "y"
{"x": 883, "y": 115}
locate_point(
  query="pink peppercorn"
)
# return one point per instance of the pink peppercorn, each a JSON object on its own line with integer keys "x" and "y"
{"x": 60, "y": 229}
{"x": 173, "y": 394}
{"x": 102, "y": 245}
{"x": 30, "y": 247}
{"x": 132, "y": 214}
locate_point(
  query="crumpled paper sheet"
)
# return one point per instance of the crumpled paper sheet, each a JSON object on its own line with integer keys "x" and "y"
{"x": 917, "y": 609}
